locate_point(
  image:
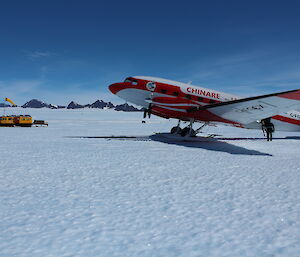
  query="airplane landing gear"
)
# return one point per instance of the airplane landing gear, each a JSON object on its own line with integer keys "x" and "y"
{"x": 188, "y": 131}
{"x": 185, "y": 131}
{"x": 177, "y": 129}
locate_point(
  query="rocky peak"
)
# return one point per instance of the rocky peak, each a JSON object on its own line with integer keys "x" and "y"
{"x": 35, "y": 103}
{"x": 126, "y": 108}
{"x": 74, "y": 105}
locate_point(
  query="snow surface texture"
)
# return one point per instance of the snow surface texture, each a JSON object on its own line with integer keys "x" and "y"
{"x": 150, "y": 196}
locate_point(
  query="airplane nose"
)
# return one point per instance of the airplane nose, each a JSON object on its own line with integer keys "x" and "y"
{"x": 115, "y": 87}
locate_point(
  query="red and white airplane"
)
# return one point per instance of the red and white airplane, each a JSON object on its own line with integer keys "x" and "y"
{"x": 186, "y": 102}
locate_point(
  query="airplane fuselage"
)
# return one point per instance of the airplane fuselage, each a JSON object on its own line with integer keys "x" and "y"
{"x": 172, "y": 99}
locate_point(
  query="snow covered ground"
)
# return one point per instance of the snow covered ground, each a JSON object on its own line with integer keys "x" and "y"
{"x": 150, "y": 196}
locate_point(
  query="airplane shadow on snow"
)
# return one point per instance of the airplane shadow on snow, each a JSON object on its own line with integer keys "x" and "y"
{"x": 211, "y": 144}
{"x": 293, "y": 137}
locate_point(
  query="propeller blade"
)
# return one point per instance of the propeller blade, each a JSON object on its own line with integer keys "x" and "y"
{"x": 148, "y": 100}
{"x": 149, "y": 110}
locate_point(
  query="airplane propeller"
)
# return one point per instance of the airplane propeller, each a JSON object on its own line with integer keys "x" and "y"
{"x": 151, "y": 87}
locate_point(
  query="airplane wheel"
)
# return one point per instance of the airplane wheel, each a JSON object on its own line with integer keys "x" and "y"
{"x": 176, "y": 130}
{"x": 186, "y": 131}
{"x": 193, "y": 133}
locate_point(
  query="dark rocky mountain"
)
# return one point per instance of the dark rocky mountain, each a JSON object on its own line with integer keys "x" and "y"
{"x": 101, "y": 104}
{"x": 74, "y": 105}
{"x": 34, "y": 103}
{"x": 126, "y": 108}
{"x": 4, "y": 105}
{"x": 110, "y": 105}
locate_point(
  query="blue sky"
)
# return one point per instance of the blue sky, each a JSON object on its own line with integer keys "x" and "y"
{"x": 60, "y": 51}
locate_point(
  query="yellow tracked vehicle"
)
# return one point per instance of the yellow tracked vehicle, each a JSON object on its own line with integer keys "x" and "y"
{"x": 16, "y": 120}
{"x": 7, "y": 121}
{"x": 23, "y": 121}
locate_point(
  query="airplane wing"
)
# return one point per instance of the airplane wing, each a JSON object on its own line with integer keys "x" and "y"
{"x": 251, "y": 109}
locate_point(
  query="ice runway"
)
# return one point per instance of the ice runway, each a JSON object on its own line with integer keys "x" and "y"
{"x": 67, "y": 192}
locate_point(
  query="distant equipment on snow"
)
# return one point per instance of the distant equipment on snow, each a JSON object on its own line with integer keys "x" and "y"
{"x": 10, "y": 101}
{"x": 19, "y": 120}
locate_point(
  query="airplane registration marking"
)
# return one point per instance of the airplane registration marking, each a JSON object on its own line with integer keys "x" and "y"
{"x": 258, "y": 107}
{"x": 252, "y": 108}
{"x": 294, "y": 115}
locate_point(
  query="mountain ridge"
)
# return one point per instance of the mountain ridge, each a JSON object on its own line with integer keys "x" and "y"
{"x": 98, "y": 104}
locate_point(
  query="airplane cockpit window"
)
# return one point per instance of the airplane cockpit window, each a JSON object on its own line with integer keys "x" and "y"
{"x": 127, "y": 80}
{"x": 130, "y": 80}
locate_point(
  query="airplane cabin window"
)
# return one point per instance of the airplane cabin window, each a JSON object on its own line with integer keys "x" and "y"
{"x": 164, "y": 91}
{"x": 188, "y": 96}
{"x": 212, "y": 101}
{"x": 200, "y": 99}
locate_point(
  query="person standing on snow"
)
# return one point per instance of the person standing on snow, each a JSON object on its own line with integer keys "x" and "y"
{"x": 268, "y": 127}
